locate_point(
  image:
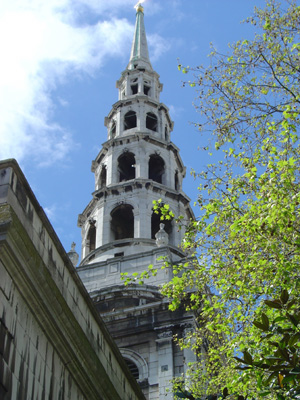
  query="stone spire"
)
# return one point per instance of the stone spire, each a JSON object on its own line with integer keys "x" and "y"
{"x": 123, "y": 233}
{"x": 137, "y": 165}
{"x": 139, "y": 57}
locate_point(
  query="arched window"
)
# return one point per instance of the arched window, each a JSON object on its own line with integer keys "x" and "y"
{"x": 133, "y": 369}
{"x": 122, "y": 222}
{"x": 151, "y": 121}
{"x": 136, "y": 363}
{"x": 176, "y": 181}
{"x": 91, "y": 237}
{"x": 155, "y": 221}
{"x": 134, "y": 86}
{"x": 103, "y": 176}
{"x": 156, "y": 168}
{"x": 126, "y": 166}
{"x": 113, "y": 130}
{"x": 129, "y": 120}
{"x": 147, "y": 88}
{"x": 166, "y": 134}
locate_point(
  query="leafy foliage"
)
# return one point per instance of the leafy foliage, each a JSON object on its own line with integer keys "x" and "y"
{"x": 247, "y": 239}
{"x": 246, "y": 243}
{"x": 277, "y": 366}
{"x": 163, "y": 210}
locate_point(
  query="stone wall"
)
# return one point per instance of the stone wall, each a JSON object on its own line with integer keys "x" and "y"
{"x": 53, "y": 344}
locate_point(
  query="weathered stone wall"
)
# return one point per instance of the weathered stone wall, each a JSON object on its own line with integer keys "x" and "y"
{"x": 31, "y": 368}
{"x": 53, "y": 344}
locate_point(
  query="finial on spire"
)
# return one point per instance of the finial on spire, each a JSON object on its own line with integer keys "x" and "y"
{"x": 139, "y": 7}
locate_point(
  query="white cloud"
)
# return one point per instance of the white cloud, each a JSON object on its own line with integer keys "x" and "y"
{"x": 158, "y": 46}
{"x": 63, "y": 102}
{"x": 41, "y": 44}
{"x": 51, "y": 212}
{"x": 175, "y": 111}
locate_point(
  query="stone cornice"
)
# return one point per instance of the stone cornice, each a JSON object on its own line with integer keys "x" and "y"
{"x": 150, "y": 138}
{"x": 138, "y": 184}
{"x": 127, "y": 242}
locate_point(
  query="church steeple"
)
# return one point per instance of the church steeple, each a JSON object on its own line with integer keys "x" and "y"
{"x": 137, "y": 165}
{"x": 122, "y": 232}
{"x": 139, "y": 57}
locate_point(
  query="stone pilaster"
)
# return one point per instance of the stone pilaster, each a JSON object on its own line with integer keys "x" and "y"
{"x": 164, "y": 343}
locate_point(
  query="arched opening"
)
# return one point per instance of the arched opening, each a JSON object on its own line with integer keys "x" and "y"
{"x": 103, "y": 177}
{"x": 166, "y": 134}
{"x": 155, "y": 221}
{"x": 126, "y": 166}
{"x": 133, "y": 369}
{"x": 122, "y": 222}
{"x": 151, "y": 121}
{"x": 91, "y": 237}
{"x": 136, "y": 363}
{"x": 134, "y": 86}
{"x": 113, "y": 130}
{"x": 176, "y": 181}
{"x": 147, "y": 90}
{"x": 147, "y": 87}
{"x": 156, "y": 168}
{"x": 129, "y": 120}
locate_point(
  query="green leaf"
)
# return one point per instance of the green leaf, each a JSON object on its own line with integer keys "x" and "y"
{"x": 284, "y": 297}
{"x": 294, "y": 339}
{"x": 287, "y": 379}
{"x": 291, "y": 303}
{"x": 296, "y": 371}
{"x": 265, "y": 321}
{"x": 248, "y": 358}
{"x": 259, "y": 325}
{"x": 293, "y": 319}
{"x": 273, "y": 304}
{"x": 271, "y": 377}
{"x": 241, "y": 360}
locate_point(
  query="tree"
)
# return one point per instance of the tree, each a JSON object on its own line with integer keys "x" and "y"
{"x": 246, "y": 243}
{"x": 247, "y": 239}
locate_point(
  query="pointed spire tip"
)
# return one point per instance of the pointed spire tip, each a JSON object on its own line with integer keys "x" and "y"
{"x": 139, "y": 57}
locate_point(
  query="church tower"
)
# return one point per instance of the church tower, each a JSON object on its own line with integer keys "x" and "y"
{"x": 121, "y": 232}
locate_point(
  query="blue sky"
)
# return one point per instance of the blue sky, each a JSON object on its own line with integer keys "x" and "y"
{"x": 60, "y": 60}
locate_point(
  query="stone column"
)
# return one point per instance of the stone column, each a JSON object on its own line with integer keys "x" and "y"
{"x": 99, "y": 231}
{"x": 188, "y": 355}
{"x": 119, "y": 123}
{"x": 137, "y": 222}
{"x": 164, "y": 344}
{"x": 144, "y": 163}
{"x": 106, "y": 231}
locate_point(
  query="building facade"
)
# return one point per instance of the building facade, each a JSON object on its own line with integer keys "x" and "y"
{"x": 53, "y": 344}
{"x": 138, "y": 164}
